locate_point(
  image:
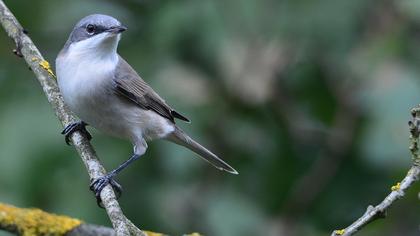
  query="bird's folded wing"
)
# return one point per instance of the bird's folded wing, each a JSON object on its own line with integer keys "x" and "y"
{"x": 131, "y": 86}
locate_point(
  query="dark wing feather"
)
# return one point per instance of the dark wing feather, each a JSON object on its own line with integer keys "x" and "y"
{"x": 129, "y": 85}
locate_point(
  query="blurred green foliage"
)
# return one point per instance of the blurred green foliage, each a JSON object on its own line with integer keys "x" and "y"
{"x": 308, "y": 100}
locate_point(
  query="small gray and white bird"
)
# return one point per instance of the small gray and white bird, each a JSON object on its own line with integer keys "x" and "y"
{"x": 102, "y": 89}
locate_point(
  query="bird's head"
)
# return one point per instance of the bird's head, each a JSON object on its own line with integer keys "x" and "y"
{"x": 97, "y": 34}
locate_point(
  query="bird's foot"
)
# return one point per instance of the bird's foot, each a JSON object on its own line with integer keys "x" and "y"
{"x": 75, "y": 126}
{"x": 99, "y": 184}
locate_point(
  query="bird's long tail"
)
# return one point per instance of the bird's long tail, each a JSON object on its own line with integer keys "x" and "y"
{"x": 181, "y": 138}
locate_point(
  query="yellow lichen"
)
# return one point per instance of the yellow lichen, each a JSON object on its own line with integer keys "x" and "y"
{"x": 339, "y": 232}
{"x": 396, "y": 187}
{"x": 46, "y": 65}
{"x": 34, "y": 222}
{"x": 148, "y": 233}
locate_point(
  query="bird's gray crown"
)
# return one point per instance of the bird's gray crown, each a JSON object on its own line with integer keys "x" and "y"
{"x": 92, "y": 25}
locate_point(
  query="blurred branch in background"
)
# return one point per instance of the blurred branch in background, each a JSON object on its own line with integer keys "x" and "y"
{"x": 398, "y": 191}
{"x": 268, "y": 62}
{"x": 46, "y": 78}
{"x": 337, "y": 142}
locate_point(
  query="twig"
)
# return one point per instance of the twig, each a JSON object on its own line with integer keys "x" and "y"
{"x": 397, "y": 191}
{"x": 46, "y": 78}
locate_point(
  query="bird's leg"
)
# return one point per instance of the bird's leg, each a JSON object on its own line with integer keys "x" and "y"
{"x": 98, "y": 184}
{"x": 75, "y": 126}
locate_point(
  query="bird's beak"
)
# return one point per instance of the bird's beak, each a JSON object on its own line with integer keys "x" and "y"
{"x": 117, "y": 29}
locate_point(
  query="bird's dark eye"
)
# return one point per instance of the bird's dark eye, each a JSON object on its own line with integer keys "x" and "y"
{"x": 90, "y": 29}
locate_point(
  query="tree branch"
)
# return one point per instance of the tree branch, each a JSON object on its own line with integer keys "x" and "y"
{"x": 397, "y": 191}
{"x": 32, "y": 221}
{"x": 26, "y": 48}
{"x": 36, "y": 222}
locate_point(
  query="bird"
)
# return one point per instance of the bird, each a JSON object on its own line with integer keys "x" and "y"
{"x": 105, "y": 92}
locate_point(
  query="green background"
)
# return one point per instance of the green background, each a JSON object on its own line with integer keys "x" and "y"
{"x": 308, "y": 100}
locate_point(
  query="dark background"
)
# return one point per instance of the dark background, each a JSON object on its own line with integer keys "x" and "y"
{"x": 308, "y": 100}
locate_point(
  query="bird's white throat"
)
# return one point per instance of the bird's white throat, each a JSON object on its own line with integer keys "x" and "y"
{"x": 97, "y": 47}
{"x": 93, "y": 56}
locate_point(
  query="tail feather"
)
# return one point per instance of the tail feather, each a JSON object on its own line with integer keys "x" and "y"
{"x": 181, "y": 138}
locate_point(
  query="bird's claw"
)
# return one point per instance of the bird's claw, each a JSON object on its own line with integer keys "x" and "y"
{"x": 75, "y": 126}
{"x": 99, "y": 184}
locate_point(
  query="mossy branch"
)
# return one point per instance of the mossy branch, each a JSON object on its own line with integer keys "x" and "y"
{"x": 25, "y": 48}
{"x": 35, "y": 222}
{"x": 398, "y": 190}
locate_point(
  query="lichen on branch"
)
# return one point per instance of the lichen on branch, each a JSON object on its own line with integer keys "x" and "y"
{"x": 35, "y": 222}
{"x": 398, "y": 190}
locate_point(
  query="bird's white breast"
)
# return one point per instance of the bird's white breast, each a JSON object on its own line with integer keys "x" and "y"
{"x": 81, "y": 78}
